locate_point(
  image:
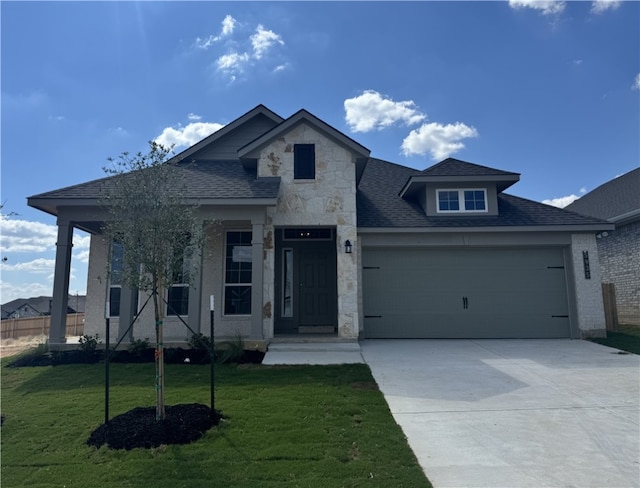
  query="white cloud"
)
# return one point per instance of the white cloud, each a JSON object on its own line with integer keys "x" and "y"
{"x": 188, "y": 135}
{"x": 600, "y": 6}
{"x": 36, "y": 266}
{"x": 561, "y": 202}
{"x": 440, "y": 140}
{"x": 636, "y": 83}
{"x": 371, "y": 111}
{"x": 228, "y": 26}
{"x": 547, "y": 7}
{"x": 13, "y": 291}
{"x": 232, "y": 63}
{"x": 193, "y": 116}
{"x": 26, "y": 236}
{"x": 262, "y": 41}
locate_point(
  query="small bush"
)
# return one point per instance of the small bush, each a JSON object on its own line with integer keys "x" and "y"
{"x": 88, "y": 349}
{"x": 138, "y": 347}
{"x": 199, "y": 342}
{"x": 233, "y": 350}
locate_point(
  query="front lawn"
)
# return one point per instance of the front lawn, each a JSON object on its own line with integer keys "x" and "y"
{"x": 627, "y": 338}
{"x": 299, "y": 426}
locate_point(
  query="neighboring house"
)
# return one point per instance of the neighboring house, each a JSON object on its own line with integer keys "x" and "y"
{"x": 618, "y": 201}
{"x": 35, "y": 307}
{"x": 308, "y": 234}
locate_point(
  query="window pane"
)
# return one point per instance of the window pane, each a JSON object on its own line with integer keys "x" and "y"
{"x": 448, "y": 200}
{"x": 238, "y": 270}
{"x": 287, "y": 295}
{"x": 178, "y": 298}
{"x": 117, "y": 256}
{"x": 474, "y": 200}
{"x": 237, "y": 300}
{"x": 114, "y": 301}
{"x": 304, "y": 162}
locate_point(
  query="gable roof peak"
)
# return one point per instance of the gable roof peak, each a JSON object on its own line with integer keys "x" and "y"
{"x": 457, "y": 167}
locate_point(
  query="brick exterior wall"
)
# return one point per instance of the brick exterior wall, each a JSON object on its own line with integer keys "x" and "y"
{"x": 619, "y": 254}
{"x": 588, "y": 291}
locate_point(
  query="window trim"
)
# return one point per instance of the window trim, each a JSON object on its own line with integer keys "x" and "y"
{"x": 226, "y": 285}
{"x": 461, "y": 201}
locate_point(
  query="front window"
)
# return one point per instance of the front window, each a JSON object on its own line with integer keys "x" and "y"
{"x": 304, "y": 162}
{"x": 178, "y": 292}
{"x": 115, "y": 278}
{"x": 466, "y": 200}
{"x": 238, "y": 268}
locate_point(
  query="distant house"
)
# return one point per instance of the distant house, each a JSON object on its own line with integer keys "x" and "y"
{"x": 39, "y": 306}
{"x": 618, "y": 201}
{"x": 309, "y": 234}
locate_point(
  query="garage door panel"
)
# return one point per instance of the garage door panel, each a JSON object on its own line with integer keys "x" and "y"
{"x": 475, "y": 293}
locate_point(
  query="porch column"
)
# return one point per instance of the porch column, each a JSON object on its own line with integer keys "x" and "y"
{"x": 57, "y": 331}
{"x": 257, "y": 273}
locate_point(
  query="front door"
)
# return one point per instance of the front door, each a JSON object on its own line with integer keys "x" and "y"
{"x": 306, "y": 289}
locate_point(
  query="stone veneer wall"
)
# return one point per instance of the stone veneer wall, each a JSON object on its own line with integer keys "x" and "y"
{"x": 619, "y": 254}
{"x": 590, "y": 308}
{"x": 329, "y": 200}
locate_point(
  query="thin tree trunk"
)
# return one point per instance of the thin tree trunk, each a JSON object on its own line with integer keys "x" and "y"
{"x": 159, "y": 356}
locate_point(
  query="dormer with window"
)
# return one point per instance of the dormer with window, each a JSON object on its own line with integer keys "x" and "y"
{"x": 457, "y": 188}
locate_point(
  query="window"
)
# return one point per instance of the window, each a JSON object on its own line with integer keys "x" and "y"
{"x": 115, "y": 278}
{"x": 470, "y": 200}
{"x": 178, "y": 292}
{"x": 304, "y": 162}
{"x": 238, "y": 264}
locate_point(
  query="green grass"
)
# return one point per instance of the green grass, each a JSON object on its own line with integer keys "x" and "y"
{"x": 303, "y": 426}
{"x": 627, "y": 339}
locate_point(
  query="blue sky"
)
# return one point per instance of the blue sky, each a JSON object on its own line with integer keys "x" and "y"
{"x": 547, "y": 89}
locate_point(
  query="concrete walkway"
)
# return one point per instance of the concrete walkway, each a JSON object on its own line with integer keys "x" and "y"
{"x": 313, "y": 353}
{"x": 514, "y": 413}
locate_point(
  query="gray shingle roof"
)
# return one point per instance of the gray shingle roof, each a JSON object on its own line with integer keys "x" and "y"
{"x": 379, "y": 205}
{"x": 203, "y": 179}
{"x": 456, "y": 167}
{"x": 613, "y": 199}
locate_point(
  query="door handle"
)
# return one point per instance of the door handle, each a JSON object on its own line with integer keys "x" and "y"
{"x": 465, "y": 303}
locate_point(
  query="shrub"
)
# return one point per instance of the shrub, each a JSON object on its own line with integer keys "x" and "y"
{"x": 199, "y": 342}
{"x": 88, "y": 346}
{"x": 138, "y": 347}
{"x": 233, "y": 350}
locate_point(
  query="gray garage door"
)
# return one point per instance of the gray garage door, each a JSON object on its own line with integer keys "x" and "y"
{"x": 478, "y": 293}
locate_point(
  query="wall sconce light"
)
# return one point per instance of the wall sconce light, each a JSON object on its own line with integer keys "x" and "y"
{"x": 347, "y": 246}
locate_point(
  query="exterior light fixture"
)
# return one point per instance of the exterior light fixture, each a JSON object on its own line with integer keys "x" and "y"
{"x": 347, "y": 246}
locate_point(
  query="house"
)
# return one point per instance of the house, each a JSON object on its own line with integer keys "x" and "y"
{"x": 309, "y": 234}
{"x": 38, "y": 306}
{"x": 618, "y": 202}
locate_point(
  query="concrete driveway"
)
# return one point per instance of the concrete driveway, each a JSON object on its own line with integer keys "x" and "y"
{"x": 514, "y": 413}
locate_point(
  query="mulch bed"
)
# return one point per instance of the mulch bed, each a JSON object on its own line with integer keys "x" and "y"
{"x": 171, "y": 356}
{"x": 182, "y": 424}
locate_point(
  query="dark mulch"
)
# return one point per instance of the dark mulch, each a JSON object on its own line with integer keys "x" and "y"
{"x": 171, "y": 356}
{"x": 183, "y": 424}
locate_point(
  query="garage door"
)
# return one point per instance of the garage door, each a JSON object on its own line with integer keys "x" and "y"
{"x": 479, "y": 293}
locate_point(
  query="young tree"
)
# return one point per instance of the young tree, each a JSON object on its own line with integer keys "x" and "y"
{"x": 150, "y": 217}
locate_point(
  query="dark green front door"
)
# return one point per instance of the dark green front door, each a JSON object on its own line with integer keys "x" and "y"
{"x": 306, "y": 288}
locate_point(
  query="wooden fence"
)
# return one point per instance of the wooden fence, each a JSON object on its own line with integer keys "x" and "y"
{"x": 35, "y": 326}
